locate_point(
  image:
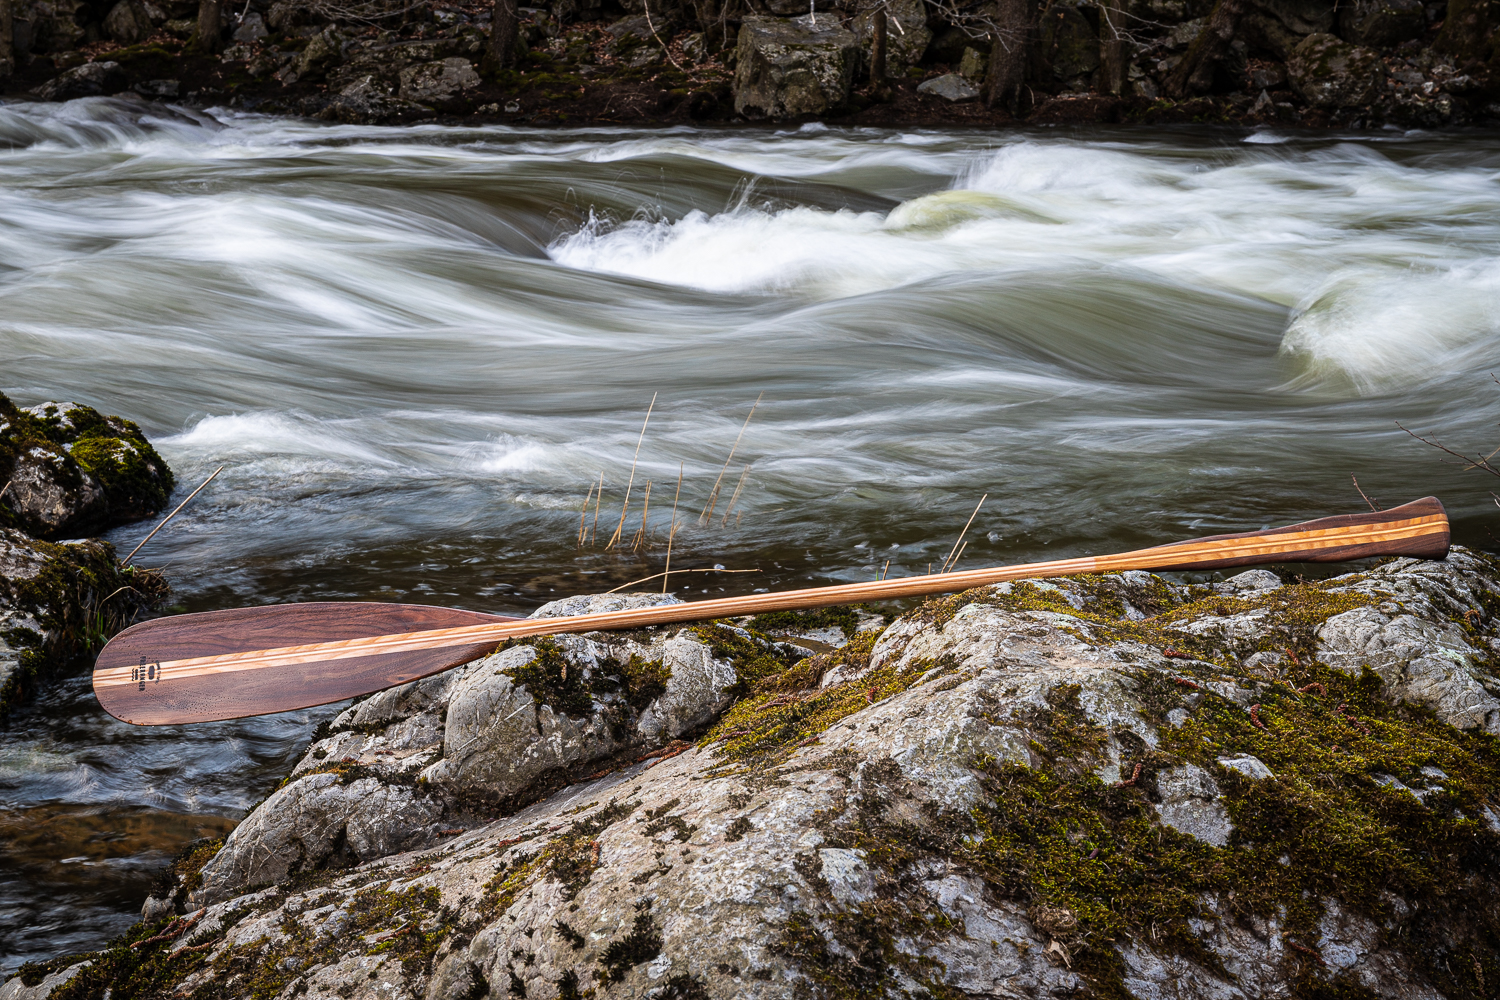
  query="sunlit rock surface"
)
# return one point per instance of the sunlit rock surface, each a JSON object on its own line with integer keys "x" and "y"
{"x": 1045, "y": 789}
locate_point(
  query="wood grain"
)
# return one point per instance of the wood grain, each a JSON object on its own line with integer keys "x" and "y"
{"x": 156, "y": 693}
{"x": 219, "y": 666}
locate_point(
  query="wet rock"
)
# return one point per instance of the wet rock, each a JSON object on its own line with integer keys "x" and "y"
{"x": 59, "y": 600}
{"x": 439, "y": 81}
{"x": 128, "y": 22}
{"x": 1329, "y": 73}
{"x": 950, "y": 87}
{"x": 89, "y": 80}
{"x": 73, "y": 470}
{"x": 793, "y": 67}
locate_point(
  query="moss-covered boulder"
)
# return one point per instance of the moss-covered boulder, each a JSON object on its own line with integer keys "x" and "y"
{"x": 1093, "y": 787}
{"x": 72, "y": 470}
{"x": 59, "y": 602}
{"x": 1329, "y": 73}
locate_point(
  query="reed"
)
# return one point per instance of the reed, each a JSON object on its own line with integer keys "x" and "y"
{"x": 163, "y": 524}
{"x": 734, "y": 499}
{"x": 713, "y": 496}
{"x": 625, "y": 509}
{"x": 640, "y": 536}
{"x": 954, "y": 554}
{"x": 672, "y": 529}
{"x": 594, "y": 531}
{"x": 583, "y": 515}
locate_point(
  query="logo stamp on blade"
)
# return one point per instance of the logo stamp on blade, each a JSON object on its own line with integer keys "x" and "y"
{"x": 146, "y": 671}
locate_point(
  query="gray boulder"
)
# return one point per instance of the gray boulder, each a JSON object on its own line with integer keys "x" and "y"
{"x": 74, "y": 470}
{"x": 1378, "y": 23}
{"x": 784, "y": 68}
{"x": 907, "y": 35}
{"x": 251, "y": 29}
{"x": 438, "y": 81}
{"x": 89, "y": 80}
{"x": 950, "y": 87}
{"x": 324, "y": 51}
{"x": 1329, "y": 73}
{"x": 407, "y": 762}
{"x": 1043, "y": 789}
{"x": 128, "y": 22}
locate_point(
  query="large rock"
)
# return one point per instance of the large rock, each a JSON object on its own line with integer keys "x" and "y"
{"x": 1329, "y": 73}
{"x": 432, "y": 753}
{"x": 907, "y": 35}
{"x": 439, "y": 81}
{"x": 1096, "y": 786}
{"x": 58, "y": 601}
{"x": 128, "y": 22}
{"x": 73, "y": 470}
{"x": 1377, "y": 23}
{"x": 89, "y": 80}
{"x": 950, "y": 87}
{"x": 803, "y": 66}
{"x": 324, "y": 51}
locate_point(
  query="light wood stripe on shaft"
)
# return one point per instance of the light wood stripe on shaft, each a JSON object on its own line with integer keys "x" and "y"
{"x": 1264, "y": 547}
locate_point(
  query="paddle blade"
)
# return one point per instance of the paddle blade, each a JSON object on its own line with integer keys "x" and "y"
{"x": 1418, "y": 529}
{"x": 131, "y": 686}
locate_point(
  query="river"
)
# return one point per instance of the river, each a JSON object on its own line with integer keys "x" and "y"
{"x": 417, "y": 350}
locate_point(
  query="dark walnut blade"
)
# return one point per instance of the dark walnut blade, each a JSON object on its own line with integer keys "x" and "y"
{"x": 1422, "y": 541}
{"x": 162, "y": 697}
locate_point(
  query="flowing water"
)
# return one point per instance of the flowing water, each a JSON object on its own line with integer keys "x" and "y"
{"x": 417, "y": 350}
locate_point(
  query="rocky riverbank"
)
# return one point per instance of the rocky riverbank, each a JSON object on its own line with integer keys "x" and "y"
{"x": 68, "y": 470}
{"x": 1095, "y": 786}
{"x": 1291, "y": 62}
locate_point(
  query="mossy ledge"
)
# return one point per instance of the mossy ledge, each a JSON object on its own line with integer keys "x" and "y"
{"x": 1058, "y": 789}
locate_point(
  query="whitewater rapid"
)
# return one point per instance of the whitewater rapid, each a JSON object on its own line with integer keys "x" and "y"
{"x": 417, "y": 350}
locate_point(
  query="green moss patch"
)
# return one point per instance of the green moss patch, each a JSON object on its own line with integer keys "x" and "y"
{"x": 844, "y": 618}
{"x": 113, "y": 451}
{"x": 763, "y": 731}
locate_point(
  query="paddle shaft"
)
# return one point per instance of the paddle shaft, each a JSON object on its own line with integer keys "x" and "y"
{"x": 1419, "y": 528}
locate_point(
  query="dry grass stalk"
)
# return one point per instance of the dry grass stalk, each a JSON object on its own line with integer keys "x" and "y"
{"x": 734, "y": 498}
{"x": 955, "y": 552}
{"x": 884, "y": 571}
{"x": 640, "y": 536}
{"x": 615, "y": 538}
{"x": 672, "y": 529}
{"x": 583, "y": 515}
{"x": 713, "y": 496}
{"x": 594, "y": 531}
{"x": 126, "y": 560}
{"x": 5, "y": 487}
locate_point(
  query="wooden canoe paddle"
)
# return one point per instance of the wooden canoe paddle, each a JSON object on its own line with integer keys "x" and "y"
{"x": 256, "y": 661}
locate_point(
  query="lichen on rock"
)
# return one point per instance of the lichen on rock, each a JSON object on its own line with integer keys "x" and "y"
{"x": 1112, "y": 786}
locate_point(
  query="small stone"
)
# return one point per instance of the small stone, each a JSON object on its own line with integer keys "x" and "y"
{"x": 251, "y": 29}
{"x": 1190, "y": 804}
{"x": 1178, "y": 717}
{"x": 1250, "y": 767}
{"x": 950, "y": 87}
